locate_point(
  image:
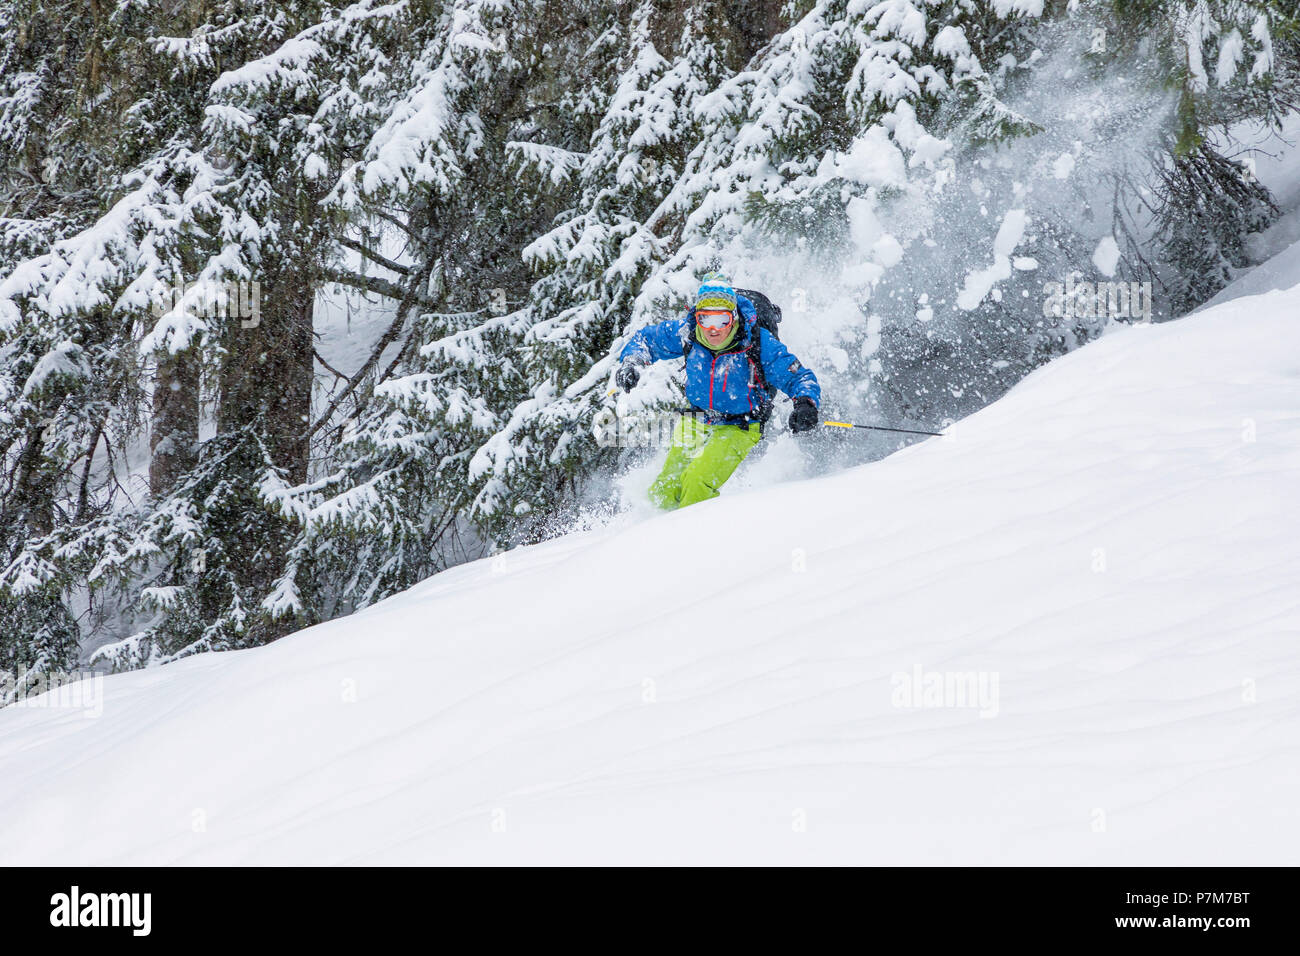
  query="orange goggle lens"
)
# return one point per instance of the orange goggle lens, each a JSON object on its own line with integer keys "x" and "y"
{"x": 714, "y": 318}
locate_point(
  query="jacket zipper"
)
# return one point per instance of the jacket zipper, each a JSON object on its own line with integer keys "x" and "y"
{"x": 711, "y": 370}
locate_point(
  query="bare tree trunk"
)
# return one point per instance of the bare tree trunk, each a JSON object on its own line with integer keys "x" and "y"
{"x": 34, "y": 486}
{"x": 174, "y": 435}
{"x": 267, "y": 378}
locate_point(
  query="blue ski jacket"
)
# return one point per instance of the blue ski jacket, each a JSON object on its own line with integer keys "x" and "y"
{"x": 723, "y": 384}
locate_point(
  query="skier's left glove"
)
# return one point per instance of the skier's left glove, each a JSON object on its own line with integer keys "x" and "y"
{"x": 804, "y": 415}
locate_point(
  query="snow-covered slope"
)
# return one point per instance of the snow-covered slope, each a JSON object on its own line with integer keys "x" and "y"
{"x": 1112, "y": 549}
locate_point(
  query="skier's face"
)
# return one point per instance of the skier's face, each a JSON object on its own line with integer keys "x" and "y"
{"x": 715, "y": 324}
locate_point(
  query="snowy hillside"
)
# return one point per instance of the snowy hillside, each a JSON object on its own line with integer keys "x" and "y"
{"x": 1109, "y": 551}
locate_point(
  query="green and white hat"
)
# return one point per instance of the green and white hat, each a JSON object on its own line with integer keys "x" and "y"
{"x": 716, "y": 292}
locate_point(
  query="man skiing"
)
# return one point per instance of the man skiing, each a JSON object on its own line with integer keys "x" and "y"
{"x": 733, "y": 365}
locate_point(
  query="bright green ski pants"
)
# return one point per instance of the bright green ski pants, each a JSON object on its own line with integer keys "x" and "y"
{"x": 701, "y": 458}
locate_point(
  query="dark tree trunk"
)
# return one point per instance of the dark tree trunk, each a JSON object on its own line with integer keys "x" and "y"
{"x": 34, "y": 487}
{"x": 755, "y": 22}
{"x": 267, "y": 377}
{"x": 174, "y": 436}
{"x": 750, "y": 24}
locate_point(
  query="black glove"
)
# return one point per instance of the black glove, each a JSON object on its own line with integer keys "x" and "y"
{"x": 627, "y": 377}
{"x": 804, "y": 415}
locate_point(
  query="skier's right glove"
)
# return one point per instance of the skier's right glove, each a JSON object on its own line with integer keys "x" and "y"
{"x": 804, "y": 415}
{"x": 627, "y": 377}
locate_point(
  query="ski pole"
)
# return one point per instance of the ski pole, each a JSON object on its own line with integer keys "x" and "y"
{"x": 882, "y": 428}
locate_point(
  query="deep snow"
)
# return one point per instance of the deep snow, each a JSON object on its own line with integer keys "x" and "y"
{"x": 1112, "y": 546}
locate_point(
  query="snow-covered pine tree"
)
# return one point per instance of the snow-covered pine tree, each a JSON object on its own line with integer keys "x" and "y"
{"x": 214, "y": 189}
{"x": 441, "y": 173}
{"x": 79, "y": 102}
{"x": 232, "y": 566}
{"x": 1227, "y": 60}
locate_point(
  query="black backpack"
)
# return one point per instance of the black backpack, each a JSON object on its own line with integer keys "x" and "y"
{"x": 769, "y": 317}
{"x": 769, "y": 314}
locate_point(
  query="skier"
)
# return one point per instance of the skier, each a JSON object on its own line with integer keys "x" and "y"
{"x": 733, "y": 365}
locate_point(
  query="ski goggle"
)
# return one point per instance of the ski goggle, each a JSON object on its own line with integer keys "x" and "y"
{"x": 714, "y": 318}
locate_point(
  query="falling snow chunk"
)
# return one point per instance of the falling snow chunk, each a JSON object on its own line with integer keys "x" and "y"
{"x": 1010, "y": 233}
{"x": 887, "y": 251}
{"x": 1106, "y": 256}
{"x": 980, "y": 282}
{"x": 864, "y": 226}
{"x": 872, "y": 160}
{"x": 1063, "y": 166}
